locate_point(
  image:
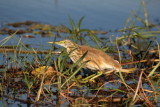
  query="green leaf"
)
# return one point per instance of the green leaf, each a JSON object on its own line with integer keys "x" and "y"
{"x": 79, "y": 23}
{"x": 81, "y": 66}
{"x": 9, "y": 37}
{"x": 152, "y": 72}
{"x": 72, "y": 24}
{"x": 61, "y": 66}
{"x": 154, "y": 69}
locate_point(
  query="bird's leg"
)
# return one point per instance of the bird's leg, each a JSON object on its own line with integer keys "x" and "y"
{"x": 99, "y": 73}
{"x": 108, "y": 72}
{"x": 85, "y": 80}
{"x": 92, "y": 77}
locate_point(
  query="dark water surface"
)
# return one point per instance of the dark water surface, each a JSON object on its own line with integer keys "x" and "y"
{"x": 99, "y": 14}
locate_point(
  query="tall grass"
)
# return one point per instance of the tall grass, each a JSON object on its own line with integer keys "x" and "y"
{"x": 133, "y": 49}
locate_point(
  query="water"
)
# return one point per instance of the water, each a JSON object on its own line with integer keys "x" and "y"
{"x": 99, "y": 14}
{"x": 103, "y": 14}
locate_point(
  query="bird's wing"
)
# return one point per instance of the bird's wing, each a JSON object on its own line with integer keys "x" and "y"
{"x": 99, "y": 57}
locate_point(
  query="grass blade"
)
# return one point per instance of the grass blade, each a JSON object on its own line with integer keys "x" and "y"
{"x": 77, "y": 69}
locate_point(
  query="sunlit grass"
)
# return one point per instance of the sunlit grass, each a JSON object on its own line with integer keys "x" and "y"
{"x": 133, "y": 49}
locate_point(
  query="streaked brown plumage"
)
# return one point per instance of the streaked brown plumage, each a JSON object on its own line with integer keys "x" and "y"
{"x": 98, "y": 60}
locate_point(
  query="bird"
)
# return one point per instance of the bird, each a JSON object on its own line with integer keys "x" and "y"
{"x": 97, "y": 59}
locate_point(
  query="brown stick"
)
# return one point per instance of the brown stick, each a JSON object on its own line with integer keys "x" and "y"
{"x": 26, "y": 52}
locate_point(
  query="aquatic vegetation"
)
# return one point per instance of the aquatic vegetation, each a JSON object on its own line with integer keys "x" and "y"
{"x": 24, "y": 69}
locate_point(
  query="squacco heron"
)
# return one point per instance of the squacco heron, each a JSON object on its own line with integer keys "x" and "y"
{"x": 97, "y": 59}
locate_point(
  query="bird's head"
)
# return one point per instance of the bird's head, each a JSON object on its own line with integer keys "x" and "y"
{"x": 65, "y": 43}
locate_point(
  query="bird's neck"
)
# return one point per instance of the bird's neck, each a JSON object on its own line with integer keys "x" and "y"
{"x": 72, "y": 48}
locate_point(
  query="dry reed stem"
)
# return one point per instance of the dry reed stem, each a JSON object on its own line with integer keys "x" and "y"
{"x": 130, "y": 52}
{"x": 136, "y": 92}
{"x": 109, "y": 82}
{"x": 99, "y": 90}
{"x": 152, "y": 87}
{"x": 26, "y": 52}
{"x": 129, "y": 87}
{"x": 69, "y": 89}
{"x": 65, "y": 97}
{"x": 118, "y": 51}
{"x": 5, "y": 38}
{"x": 67, "y": 93}
{"x": 31, "y": 96}
{"x": 61, "y": 93}
{"x": 47, "y": 97}
{"x": 152, "y": 60}
{"x": 39, "y": 91}
{"x": 145, "y": 97}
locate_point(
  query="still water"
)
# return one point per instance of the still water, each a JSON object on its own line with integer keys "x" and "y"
{"x": 99, "y": 14}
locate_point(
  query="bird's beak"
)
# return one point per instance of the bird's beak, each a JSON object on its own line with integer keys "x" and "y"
{"x": 50, "y": 42}
{"x": 53, "y": 42}
{"x": 57, "y": 42}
